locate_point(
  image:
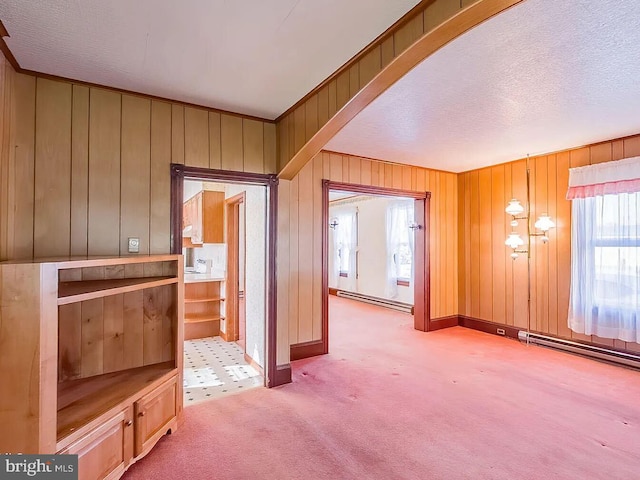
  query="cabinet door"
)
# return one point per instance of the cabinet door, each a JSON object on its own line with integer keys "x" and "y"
{"x": 213, "y": 217}
{"x": 106, "y": 452}
{"x": 196, "y": 233}
{"x": 155, "y": 414}
{"x": 186, "y": 214}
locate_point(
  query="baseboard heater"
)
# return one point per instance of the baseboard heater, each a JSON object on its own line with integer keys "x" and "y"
{"x": 381, "y": 302}
{"x": 606, "y": 354}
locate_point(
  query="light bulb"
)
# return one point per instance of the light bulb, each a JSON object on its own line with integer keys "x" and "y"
{"x": 514, "y": 208}
{"x": 514, "y": 255}
{"x": 514, "y": 223}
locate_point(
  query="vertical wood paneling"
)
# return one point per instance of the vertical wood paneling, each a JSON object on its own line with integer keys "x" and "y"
{"x": 253, "y": 146}
{"x": 177, "y": 134}
{"x": 342, "y": 89}
{"x": 323, "y": 106}
{"x": 485, "y": 241}
{"x": 563, "y": 235}
{"x": 552, "y": 248}
{"x": 160, "y": 187}
{"x": 311, "y": 117}
{"x": 21, "y": 215}
{"x": 282, "y": 280}
{"x": 299, "y": 128}
{"x": 214, "y": 141}
{"x": 283, "y": 142}
{"x": 231, "y": 138}
{"x": 196, "y": 137}
{"x": 498, "y": 220}
{"x": 408, "y": 33}
{"x": 354, "y": 80}
{"x": 79, "y": 169}
{"x": 305, "y": 253}
{"x": 113, "y": 347}
{"x": 332, "y": 93}
{"x": 519, "y": 191}
{"x": 474, "y": 215}
{"x": 270, "y": 149}
{"x": 294, "y": 275}
{"x": 386, "y": 51}
{"x": 316, "y": 299}
{"x": 104, "y": 173}
{"x": 370, "y": 65}
{"x": 135, "y": 172}
{"x": 52, "y": 212}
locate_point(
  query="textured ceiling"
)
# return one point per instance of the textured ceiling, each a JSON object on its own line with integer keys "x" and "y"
{"x": 257, "y": 57}
{"x": 543, "y": 76}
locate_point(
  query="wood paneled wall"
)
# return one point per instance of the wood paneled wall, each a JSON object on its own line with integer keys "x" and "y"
{"x": 298, "y": 124}
{"x": 493, "y": 287}
{"x": 84, "y": 168}
{"x": 300, "y": 235}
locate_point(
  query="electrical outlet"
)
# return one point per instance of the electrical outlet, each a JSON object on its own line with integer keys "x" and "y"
{"x": 501, "y": 331}
{"x": 134, "y": 245}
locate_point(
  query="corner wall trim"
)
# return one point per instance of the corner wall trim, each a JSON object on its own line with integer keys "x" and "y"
{"x": 444, "y": 322}
{"x": 488, "y": 327}
{"x": 282, "y": 376}
{"x": 306, "y": 350}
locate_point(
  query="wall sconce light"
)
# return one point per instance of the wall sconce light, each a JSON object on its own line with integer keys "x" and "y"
{"x": 333, "y": 223}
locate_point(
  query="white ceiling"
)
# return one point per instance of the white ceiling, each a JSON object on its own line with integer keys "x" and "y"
{"x": 543, "y": 76}
{"x": 256, "y": 57}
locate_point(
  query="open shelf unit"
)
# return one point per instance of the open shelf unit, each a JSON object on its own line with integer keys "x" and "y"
{"x": 204, "y": 309}
{"x": 106, "y": 336}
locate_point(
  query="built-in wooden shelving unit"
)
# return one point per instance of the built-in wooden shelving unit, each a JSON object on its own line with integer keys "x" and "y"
{"x": 94, "y": 358}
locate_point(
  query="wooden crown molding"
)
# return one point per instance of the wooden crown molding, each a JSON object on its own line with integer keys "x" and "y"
{"x": 16, "y": 66}
{"x": 425, "y": 46}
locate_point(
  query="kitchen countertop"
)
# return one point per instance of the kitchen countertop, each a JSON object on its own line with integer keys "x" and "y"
{"x": 203, "y": 277}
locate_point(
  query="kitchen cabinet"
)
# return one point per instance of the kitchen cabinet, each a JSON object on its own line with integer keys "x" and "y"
{"x": 203, "y": 216}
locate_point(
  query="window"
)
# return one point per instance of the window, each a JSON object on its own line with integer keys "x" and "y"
{"x": 345, "y": 241}
{"x": 605, "y": 250}
{"x": 399, "y": 245}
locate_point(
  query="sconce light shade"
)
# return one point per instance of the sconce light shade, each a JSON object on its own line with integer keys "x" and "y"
{"x": 544, "y": 223}
{"x": 514, "y": 208}
{"x": 514, "y": 241}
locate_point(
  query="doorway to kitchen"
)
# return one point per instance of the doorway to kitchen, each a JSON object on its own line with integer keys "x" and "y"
{"x": 221, "y": 223}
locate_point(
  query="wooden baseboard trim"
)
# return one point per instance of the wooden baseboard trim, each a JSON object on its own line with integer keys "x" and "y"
{"x": 443, "y": 322}
{"x": 282, "y": 376}
{"x": 488, "y": 327}
{"x": 333, "y": 291}
{"x": 306, "y": 350}
{"x": 253, "y": 363}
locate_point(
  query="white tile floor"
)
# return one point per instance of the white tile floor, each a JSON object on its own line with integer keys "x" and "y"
{"x": 214, "y": 368}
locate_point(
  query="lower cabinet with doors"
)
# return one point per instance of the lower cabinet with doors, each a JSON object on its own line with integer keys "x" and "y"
{"x": 93, "y": 358}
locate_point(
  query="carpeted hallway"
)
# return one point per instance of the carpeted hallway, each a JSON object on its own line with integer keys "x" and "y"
{"x": 393, "y": 403}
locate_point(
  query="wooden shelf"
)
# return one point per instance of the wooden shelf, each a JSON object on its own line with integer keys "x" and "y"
{"x": 206, "y": 299}
{"x": 78, "y": 291}
{"x": 201, "y": 318}
{"x": 80, "y": 401}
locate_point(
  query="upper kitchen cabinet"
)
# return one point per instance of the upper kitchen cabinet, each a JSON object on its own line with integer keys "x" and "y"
{"x": 203, "y": 218}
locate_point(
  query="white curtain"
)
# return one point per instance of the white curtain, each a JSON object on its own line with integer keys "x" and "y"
{"x": 605, "y": 254}
{"x": 345, "y": 246}
{"x": 398, "y": 218}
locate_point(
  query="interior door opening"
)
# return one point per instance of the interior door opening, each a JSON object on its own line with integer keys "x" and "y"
{"x": 224, "y": 232}
{"x": 375, "y": 251}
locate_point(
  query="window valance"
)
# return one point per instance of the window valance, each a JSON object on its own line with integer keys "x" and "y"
{"x": 609, "y": 178}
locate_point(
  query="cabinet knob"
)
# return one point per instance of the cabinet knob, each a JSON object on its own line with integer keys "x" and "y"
{"x": 141, "y": 414}
{"x": 129, "y": 423}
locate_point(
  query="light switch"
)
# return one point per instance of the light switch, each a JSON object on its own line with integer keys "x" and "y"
{"x": 134, "y": 245}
